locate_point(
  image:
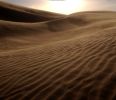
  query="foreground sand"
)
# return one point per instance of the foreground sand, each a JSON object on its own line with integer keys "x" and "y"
{"x": 58, "y": 57}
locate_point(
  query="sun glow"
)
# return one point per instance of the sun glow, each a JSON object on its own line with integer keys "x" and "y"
{"x": 66, "y": 6}
{"x": 62, "y": 6}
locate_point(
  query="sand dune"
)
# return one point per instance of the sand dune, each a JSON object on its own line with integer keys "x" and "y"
{"x": 57, "y": 57}
{"x": 21, "y": 14}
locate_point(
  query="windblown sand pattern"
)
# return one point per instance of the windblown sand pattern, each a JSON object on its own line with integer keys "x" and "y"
{"x": 58, "y": 57}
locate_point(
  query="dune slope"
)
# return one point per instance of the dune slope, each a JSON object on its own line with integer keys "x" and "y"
{"x": 69, "y": 57}
{"x": 21, "y": 14}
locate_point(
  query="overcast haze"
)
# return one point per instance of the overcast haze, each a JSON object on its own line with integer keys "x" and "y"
{"x": 67, "y": 6}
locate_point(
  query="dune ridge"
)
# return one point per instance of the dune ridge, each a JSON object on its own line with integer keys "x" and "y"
{"x": 22, "y": 14}
{"x": 58, "y": 57}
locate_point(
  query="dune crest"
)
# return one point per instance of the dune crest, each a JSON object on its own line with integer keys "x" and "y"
{"x": 50, "y": 56}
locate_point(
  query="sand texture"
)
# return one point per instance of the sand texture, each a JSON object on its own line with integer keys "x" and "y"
{"x": 49, "y": 56}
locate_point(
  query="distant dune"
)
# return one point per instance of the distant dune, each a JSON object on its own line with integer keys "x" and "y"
{"x": 50, "y": 56}
{"x": 21, "y": 14}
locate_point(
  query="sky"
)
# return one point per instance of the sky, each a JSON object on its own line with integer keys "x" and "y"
{"x": 67, "y": 6}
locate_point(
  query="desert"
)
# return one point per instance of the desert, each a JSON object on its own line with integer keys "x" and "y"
{"x": 51, "y": 56}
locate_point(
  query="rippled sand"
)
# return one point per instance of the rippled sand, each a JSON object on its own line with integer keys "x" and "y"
{"x": 47, "y": 56}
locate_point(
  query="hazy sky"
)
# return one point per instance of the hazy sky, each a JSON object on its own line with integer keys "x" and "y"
{"x": 67, "y": 6}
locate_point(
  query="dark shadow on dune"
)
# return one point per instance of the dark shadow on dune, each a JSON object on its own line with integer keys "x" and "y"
{"x": 14, "y": 13}
{"x": 18, "y": 16}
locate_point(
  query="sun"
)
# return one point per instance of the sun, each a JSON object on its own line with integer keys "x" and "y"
{"x": 66, "y": 6}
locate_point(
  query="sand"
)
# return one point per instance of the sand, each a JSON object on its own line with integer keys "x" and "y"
{"x": 49, "y": 56}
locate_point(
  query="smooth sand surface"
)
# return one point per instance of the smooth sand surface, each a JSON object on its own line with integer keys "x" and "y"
{"x": 48, "y": 56}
